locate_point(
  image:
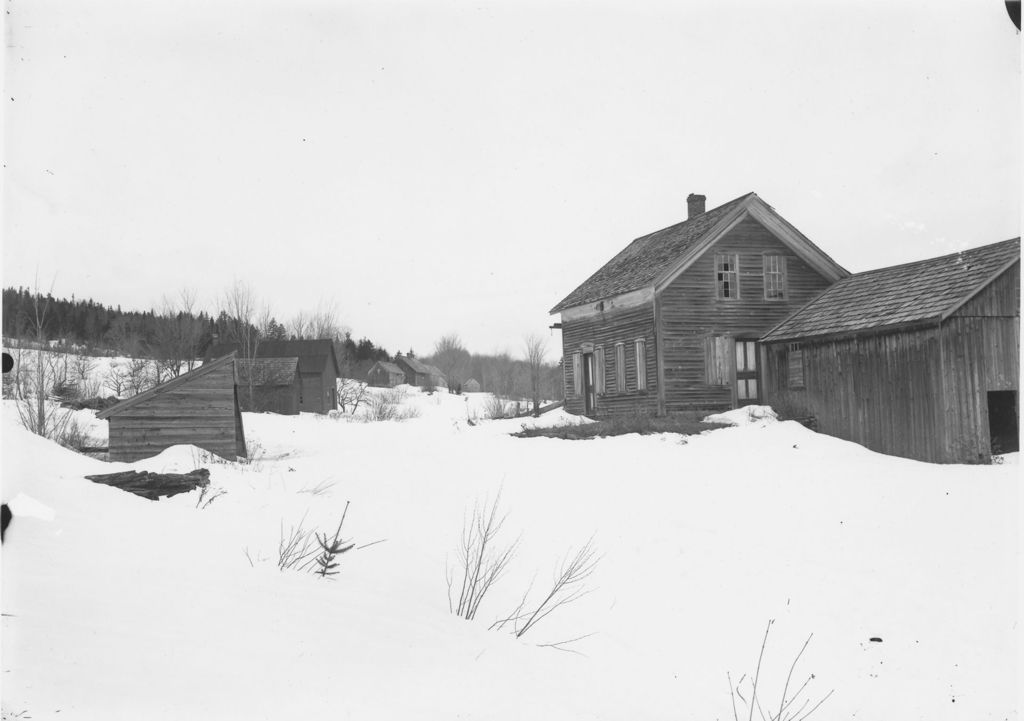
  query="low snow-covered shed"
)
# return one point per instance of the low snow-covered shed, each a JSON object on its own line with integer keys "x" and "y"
{"x": 198, "y": 408}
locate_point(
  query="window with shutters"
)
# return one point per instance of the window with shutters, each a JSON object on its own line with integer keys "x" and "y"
{"x": 727, "y": 276}
{"x": 774, "y": 277}
{"x": 599, "y": 369}
{"x": 796, "y": 366}
{"x": 717, "y": 363}
{"x": 620, "y": 367}
{"x": 577, "y": 374}
{"x": 641, "y": 364}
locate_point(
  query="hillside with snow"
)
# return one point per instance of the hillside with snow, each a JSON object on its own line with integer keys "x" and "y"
{"x": 116, "y": 607}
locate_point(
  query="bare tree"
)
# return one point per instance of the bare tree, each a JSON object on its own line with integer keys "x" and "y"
{"x": 317, "y": 324}
{"x": 177, "y": 336}
{"x": 246, "y": 320}
{"x": 536, "y": 351}
{"x": 451, "y": 357}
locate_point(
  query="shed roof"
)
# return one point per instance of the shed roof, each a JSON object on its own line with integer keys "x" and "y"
{"x": 164, "y": 387}
{"x": 913, "y": 293}
{"x": 649, "y": 258}
{"x": 267, "y": 371}
{"x": 388, "y": 366}
{"x": 313, "y": 355}
{"x": 415, "y": 364}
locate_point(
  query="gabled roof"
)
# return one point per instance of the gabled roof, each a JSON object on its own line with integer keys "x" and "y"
{"x": 414, "y": 364}
{"x": 435, "y": 371}
{"x": 651, "y": 259}
{"x": 267, "y": 371}
{"x": 164, "y": 387}
{"x": 916, "y": 293}
{"x": 313, "y": 355}
{"x": 388, "y": 366}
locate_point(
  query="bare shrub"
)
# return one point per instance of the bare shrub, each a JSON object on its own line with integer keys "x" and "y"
{"x": 787, "y": 709}
{"x": 117, "y": 380}
{"x": 495, "y": 407}
{"x": 206, "y": 497}
{"x": 139, "y": 376}
{"x": 75, "y": 436}
{"x": 387, "y": 406}
{"x": 322, "y": 488}
{"x": 568, "y": 585}
{"x": 480, "y": 562}
{"x": 351, "y": 394}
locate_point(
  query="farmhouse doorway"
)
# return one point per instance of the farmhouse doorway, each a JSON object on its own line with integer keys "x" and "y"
{"x": 589, "y": 396}
{"x": 747, "y": 387}
{"x": 1002, "y": 422}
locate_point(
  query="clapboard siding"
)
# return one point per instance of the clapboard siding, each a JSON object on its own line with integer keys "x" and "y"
{"x": 199, "y": 408}
{"x": 691, "y": 311}
{"x": 607, "y": 329}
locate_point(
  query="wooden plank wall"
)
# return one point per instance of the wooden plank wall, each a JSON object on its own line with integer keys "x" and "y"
{"x": 607, "y": 329}
{"x": 200, "y": 411}
{"x": 691, "y": 311}
{"x": 882, "y": 391}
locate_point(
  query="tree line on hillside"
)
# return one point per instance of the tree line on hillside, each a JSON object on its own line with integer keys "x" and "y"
{"x": 174, "y": 336}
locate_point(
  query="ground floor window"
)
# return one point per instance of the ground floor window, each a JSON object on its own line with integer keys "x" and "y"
{"x": 577, "y": 374}
{"x": 620, "y": 367}
{"x": 641, "y": 364}
{"x": 795, "y": 369}
{"x": 599, "y": 369}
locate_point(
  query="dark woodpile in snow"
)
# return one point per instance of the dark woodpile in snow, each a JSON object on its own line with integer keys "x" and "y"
{"x": 154, "y": 485}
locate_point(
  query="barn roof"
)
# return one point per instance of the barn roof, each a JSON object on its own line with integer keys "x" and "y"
{"x": 164, "y": 387}
{"x": 313, "y": 355}
{"x": 415, "y": 364}
{"x": 909, "y": 294}
{"x": 435, "y": 371}
{"x": 388, "y": 366}
{"x": 267, "y": 371}
{"x": 649, "y": 258}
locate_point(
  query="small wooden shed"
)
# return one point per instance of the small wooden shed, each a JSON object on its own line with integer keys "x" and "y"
{"x": 384, "y": 374}
{"x": 918, "y": 360}
{"x": 199, "y": 408}
{"x": 274, "y": 382}
{"x": 471, "y": 386}
{"x": 418, "y": 373}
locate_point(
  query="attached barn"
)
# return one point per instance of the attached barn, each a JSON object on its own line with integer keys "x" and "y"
{"x": 918, "y": 360}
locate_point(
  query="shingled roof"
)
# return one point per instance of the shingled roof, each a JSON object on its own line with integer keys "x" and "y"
{"x": 922, "y": 292}
{"x": 388, "y": 366}
{"x": 313, "y": 355}
{"x": 651, "y": 258}
{"x": 267, "y": 371}
{"x": 415, "y": 364}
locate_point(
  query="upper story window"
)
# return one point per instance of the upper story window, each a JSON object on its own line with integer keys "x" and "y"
{"x": 727, "y": 276}
{"x": 774, "y": 277}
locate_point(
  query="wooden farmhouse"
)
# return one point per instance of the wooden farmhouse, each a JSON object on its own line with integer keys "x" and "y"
{"x": 199, "y": 408}
{"x": 385, "y": 374}
{"x": 269, "y": 385}
{"x": 918, "y": 360}
{"x": 318, "y": 365}
{"x": 418, "y": 373}
{"x": 672, "y": 322}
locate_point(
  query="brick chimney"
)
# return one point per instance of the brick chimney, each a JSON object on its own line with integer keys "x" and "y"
{"x": 695, "y": 205}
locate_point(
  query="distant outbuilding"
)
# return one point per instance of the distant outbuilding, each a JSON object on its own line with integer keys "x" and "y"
{"x": 274, "y": 382}
{"x": 199, "y": 408}
{"x": 471, "y": 386}
{"x": 384, "y": 374}
{"x": 319, "y": 369}
{"x": 418, "y": 373}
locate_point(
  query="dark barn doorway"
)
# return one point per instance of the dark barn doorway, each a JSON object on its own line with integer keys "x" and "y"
{"x": 1002, "y": 422}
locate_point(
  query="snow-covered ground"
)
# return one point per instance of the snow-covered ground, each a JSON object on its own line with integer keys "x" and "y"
{"x": 121, "y": 608}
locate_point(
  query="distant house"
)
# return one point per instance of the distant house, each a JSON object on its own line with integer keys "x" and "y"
{"x": 418, "y": 373}
{"x": 672, "y": 322}
{"x": 919, "y": 360}
{"x": 385, "y": 374}
{"x": 318, "y": 368}
{"x": 198, "y": 408}
{"x": 275, "y": 383}
{"x": 471, "y": 386}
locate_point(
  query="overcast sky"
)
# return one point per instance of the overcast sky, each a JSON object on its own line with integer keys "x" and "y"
{"x": 461, "y": 166}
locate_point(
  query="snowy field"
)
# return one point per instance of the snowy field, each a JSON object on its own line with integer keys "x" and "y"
{"x": 116, "y": 607}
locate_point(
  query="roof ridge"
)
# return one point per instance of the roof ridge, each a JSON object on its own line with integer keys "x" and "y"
{"x": 932, "y": 259}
